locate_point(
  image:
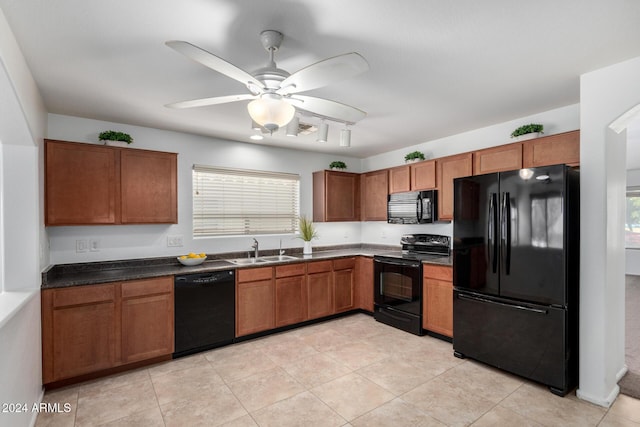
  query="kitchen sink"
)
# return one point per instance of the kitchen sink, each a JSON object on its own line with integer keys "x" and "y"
{"x": 274, "y": 258}
{"x": 260, "y": 260}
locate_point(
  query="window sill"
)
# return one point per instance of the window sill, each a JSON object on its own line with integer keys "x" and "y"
{"x": 12, "y": 302}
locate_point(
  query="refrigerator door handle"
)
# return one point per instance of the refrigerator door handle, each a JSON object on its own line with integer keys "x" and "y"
{"x": 506, "y": 232}
{"x": 492, "y": 225}
{"x": 514, "y": 306}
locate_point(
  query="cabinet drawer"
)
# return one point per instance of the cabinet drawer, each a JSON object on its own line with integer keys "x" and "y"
{"x": 253, "y": 274}
{"x": 318, "y": 267}
{"x": 438, "y": 272}
{"x": 297, "y": 269}
{"x": 344, "y": 263}
{"x": 78, "y": 295}
{"x": 160, "y": 285}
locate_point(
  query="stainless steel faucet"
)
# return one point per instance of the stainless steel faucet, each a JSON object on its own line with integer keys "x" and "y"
{"x": 255, "y": 247}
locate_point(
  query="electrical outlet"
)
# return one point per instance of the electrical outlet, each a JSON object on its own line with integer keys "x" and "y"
{"x": 81, "y": 245}
{"x": 174, "y": 241}
{"x": 94, "y": 245}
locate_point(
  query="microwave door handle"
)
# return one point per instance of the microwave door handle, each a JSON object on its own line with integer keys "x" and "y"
{"x": 419, "y": 208}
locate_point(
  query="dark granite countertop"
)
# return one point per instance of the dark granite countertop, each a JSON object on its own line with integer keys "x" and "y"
{"x": 66, "y": 275}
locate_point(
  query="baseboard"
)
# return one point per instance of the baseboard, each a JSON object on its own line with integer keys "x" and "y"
{"x": 34, "y": 414}
{"x": 622, "y": 372}
{"x": 606, "y": 403}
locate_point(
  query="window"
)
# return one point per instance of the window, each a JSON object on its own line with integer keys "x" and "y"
{"x": 632, "y": 222}
{"x": 228, "y": 202}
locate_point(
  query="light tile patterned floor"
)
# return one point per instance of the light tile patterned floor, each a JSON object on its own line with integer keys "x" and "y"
{"x": 351, "y": 371}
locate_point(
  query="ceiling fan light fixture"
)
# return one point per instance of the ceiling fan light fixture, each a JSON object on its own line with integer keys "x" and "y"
{"x": 345, "y": 138}
{"x": 271, "y": 111}
{"x": 323, "y": 131}
{"x": 293, "y": 126}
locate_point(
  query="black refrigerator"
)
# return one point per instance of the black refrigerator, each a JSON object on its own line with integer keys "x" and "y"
{"x": 516, "y": 272}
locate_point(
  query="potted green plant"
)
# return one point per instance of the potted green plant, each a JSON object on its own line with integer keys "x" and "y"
{"x": 414, "y": 156}
{"x": 307, "y": 233}
{"x": 337, "y": 165}
{"x": 111, "y": 137}
{"x": 532, "y": 130}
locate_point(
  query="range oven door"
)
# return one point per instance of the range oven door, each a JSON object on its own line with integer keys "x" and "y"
{"x": 398, "y": 284}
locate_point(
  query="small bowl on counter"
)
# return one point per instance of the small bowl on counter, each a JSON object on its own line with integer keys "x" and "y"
{"x": 191, "y": 260}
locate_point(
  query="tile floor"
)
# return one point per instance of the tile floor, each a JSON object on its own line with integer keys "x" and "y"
{"x": 351, "y": 371}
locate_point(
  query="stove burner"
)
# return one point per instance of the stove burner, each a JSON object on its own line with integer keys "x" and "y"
{"x": 425, "y": 244}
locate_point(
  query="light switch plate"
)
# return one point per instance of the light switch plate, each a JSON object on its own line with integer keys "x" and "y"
{"x": 174, "y": 241}
{"x": 81, "y": 245}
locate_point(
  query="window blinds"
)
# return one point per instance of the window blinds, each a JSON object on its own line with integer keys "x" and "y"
{"x": 240, "y": 202}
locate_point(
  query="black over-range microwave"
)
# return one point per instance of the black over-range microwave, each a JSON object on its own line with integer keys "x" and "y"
{"x": 413, "y": 207}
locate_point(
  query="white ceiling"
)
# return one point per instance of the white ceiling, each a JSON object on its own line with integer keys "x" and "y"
{"x": 437, "y": 68}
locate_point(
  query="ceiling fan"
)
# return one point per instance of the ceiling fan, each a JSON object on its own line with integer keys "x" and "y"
{"x": 275, "y": 92}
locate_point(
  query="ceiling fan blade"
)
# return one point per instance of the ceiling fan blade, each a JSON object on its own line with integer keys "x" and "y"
{"x": 329, "y": 109}
{"x": 214, "y": 62}
{"x": 324, "y": 72}
{"x": 210, "y": 101}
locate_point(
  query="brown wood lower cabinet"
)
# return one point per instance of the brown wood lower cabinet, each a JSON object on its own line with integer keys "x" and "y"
{"x": 255, "y": 295}
{"x": 79, "y": 333}
{"x": 147, "y": 319}
{"x": 364, "y": 274}
{"x": 291, "y": 301}
{"x": 437, "y": 303}
{"x": 319, "y": 289}
{"x": 94, "y": 328}
{"x": 87, "y": 329}
{"x": 343, "y": 284}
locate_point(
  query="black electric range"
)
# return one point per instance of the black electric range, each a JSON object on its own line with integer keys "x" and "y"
{"x": 398, "y": 280}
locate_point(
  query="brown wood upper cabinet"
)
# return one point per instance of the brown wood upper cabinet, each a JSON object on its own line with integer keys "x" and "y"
{"x": 498, "y": 159}
{"x": 399, "y": 179}
{"x": 413, "y": 177}
{"x": 87, "y": 184}
{"x": 374, "y": 195}
{"x": 449, "y": 168}
{"x": 148, "y": 187}
{"x": 423, "y": 175}
{"x": 551, "y": 150}
{"x": 336, "y": 196}
{"x": 80, "y": 183}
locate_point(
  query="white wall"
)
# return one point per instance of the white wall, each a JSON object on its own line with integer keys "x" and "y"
{"x": 22, "y": 126}
{"x": 142, "y": 241}
{"x": 555, "y": 121}
{"x": 632, "y": 256}
{"x": 605, "y": 94}
{"x": 120, "y": 242}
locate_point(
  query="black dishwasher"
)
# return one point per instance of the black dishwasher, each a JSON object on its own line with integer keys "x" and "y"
{"x": 204, "y": 311}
